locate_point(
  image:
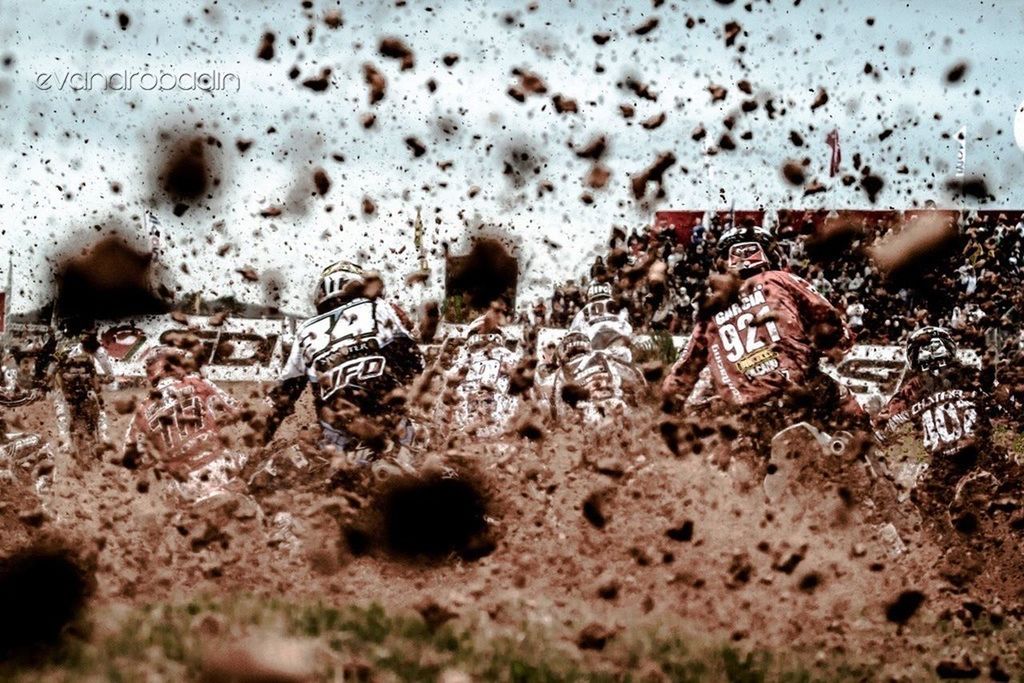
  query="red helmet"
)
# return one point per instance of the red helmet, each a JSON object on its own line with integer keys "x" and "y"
{"x": 749, "y": 250}
{"x": 167, "y": 361}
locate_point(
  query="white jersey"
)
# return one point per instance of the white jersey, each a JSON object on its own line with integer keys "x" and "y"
{"x": 483, "y": 378}
{"x": 346, "y": 354}
{"x": 609, "y": 384}
{"x": 597, "y": 317}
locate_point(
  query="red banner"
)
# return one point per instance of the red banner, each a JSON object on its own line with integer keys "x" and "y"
{"x": 950, "y": 216}
{"x": 744, "y": 218}
{"x": 681, "y": 223}
{"x": 801, "y": 221}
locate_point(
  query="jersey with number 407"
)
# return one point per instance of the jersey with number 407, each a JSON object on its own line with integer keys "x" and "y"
{"x": 761, "y": 344}
{"x": 947, "y": 413}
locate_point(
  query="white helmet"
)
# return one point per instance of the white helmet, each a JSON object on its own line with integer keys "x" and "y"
{"x": 599, "y": 291}
{"x": 338, "y": 280}
{"x": 931, "y": 349}
{"x": 484, "y": 331}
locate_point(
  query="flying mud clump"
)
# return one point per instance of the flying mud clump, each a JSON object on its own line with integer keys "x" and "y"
{"x": 107, "y": 282}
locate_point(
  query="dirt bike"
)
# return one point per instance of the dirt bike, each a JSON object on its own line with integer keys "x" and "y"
{"x": 805, "y": 459}
{"x": 292, "y": 465}
{"x": 26, "y": 466}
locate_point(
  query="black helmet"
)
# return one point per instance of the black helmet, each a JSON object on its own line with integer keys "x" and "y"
{"x": 749, "y": 250}
{"x": 931, "y": 349}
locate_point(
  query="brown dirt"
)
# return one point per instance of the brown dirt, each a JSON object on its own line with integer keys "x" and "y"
{"x": 583, "y": 528}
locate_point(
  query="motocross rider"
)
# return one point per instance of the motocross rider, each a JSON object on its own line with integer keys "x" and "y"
{"x": 355, "y": 352}
{"x": 597, "y": 384}
{"x": 761, "y": 331}
{"x": 178, "y": 427}
{"x": 480, "y": 380}
{"x": 947, "y": 406}
{"x": 603, "y": 323}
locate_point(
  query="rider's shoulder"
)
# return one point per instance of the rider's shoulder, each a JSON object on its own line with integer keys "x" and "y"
{"x": 783, "y": 277}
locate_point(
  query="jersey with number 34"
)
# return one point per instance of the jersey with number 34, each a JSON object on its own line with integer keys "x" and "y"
{"x": 345, "y": 353}
{"x": 760, "y": 344}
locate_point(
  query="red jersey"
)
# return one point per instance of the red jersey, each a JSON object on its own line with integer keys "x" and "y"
{"x": 180, "y": 424}
{"x": 761, "y": 343}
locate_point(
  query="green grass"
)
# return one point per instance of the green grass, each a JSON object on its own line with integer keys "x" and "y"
{"x": 1007, "y": 437}
{"x": 658, "y": 347}
{"x": 124, "y": 643}
{"x": 454, "y": 310}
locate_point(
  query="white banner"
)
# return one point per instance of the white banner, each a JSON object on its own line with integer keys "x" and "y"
{"x": 237, "y": 350}
{"x": 255, "y": 349}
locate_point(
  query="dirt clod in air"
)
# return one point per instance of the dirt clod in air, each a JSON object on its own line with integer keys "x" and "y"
{"x": 594, "y": 509}
{"x": 564, "y": 105}
{"x": 872, "y": 185}
{"x": 109, "y": 281}
{"x": 186, "y": 174}
{"x": 956, "y": 73}
{"x": 417, "y": 148}
{"x": 793, "y": 172}
{"x": 971, "y": 186}
{"x": 654, "y": 122}
{"x": 486, "y": 274}
{"x": 333, "y": 19}
{"x": 904, "y": 606}
{"x": 594, "y": 637}
{"x": 646, "y": 27}
{"x": 920, "y": 241}
{"x": 641, "y": 90}
{"x": 395, "y": 48}
{"x": 375, "y": 80}
{"x": 435, "y": 517}
{"x": 594, "y": 149}
{"x": 41, "y": 592}
{"x": 732, "y": 30}
{"x": 718, "y": 93}
{"x": 319, "y": 83}
{"x": 653, "y": 173}
{"x": 820, "y": 100}
{"x": 266, "y": 48}
{"x": 682, "y": 533}
{"x": 322, "y": 181}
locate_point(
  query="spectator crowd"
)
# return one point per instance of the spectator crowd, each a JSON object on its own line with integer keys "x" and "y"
{"x": 971, "y": 282}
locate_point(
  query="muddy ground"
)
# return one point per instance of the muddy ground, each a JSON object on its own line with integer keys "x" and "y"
{"x": 587, "y": 532}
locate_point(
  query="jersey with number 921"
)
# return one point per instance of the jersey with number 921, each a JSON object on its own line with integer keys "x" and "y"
{"x": 760, "y": 344}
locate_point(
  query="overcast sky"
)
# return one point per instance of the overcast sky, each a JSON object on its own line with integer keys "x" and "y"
{"x": 74, "y": 160}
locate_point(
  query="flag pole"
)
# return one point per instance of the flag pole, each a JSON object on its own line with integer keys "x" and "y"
{"x": 8, "y": 297}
